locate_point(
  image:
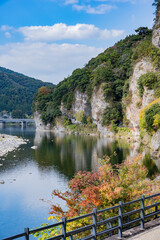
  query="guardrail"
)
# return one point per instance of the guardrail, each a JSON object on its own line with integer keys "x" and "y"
{"x": 117, "y": 223}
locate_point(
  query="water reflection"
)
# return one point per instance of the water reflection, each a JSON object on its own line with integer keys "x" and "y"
{"x": 31, "y": 175}
{"x": 70, "y": 153}
{"x": 150, "y": 165}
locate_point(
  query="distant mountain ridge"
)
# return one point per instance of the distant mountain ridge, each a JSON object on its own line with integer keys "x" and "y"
{"x": 17, "y": 91}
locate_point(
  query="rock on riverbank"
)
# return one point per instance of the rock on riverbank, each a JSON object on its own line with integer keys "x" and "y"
{"x": 9, "y": 143}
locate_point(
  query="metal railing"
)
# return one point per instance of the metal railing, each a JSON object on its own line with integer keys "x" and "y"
{"x": 121, "y": 221}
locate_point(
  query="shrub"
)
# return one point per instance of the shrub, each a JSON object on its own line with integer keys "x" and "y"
{"x": 79, "y": 116}
{"x": 112, "y": 114}
{"x": 156, "y": 122}
{"x": 150, "y": 114}
{"x": 114, "y": 127}
{"x": 44, "y": 90}
{"x": 148, "y": 80}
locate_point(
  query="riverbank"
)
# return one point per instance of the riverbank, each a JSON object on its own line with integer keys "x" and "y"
{"x": 8, "y": 143}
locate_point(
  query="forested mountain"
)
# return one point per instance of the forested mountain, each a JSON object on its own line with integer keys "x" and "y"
{"x": 17, "y": 91}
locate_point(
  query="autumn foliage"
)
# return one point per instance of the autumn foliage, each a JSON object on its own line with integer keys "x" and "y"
{"x": 104, "y": 188}
{"x": 44, "y": 90}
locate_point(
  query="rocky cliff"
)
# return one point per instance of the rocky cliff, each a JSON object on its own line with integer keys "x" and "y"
{"x": 137, "y": 102}
{"x": 140, "y": 106}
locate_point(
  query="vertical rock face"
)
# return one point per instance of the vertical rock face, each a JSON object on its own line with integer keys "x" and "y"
{"x": 81, "y": 104}
{"x": 40, "y": 126}
{"x": 156, "y": 141}
{"x": 94, "y": 109}
{"x": 98, "y": 104}
{"x": 148, "y": 97}
{"x": 132, "y": 111}
{"x": 156, "y": 30}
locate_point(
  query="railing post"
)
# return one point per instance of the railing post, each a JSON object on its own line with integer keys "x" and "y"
{"x": 26, "y": 230}
{"x": 94, "y": 228}
{"x": 71, "y": 237}
{"x": 156, "y": 210}
{"x": 64, "y": 228}
{"x": 120, "y": 220}
{"x": 142, "y": 211}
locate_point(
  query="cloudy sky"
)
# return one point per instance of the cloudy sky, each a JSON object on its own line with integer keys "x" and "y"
{"x": 48, "y": 39}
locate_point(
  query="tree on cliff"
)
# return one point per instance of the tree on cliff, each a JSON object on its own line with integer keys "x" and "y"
{"x": 156, "y": 3}
{"x": 143, "y": 31}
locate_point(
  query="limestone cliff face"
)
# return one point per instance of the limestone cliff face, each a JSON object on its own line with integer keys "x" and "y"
{"x": 156, "y": 141}
{"x": 40, "y": 126}
{"x": 80, "y": 104}
{"x": 133, "y": 111}
{"x": 94, "y": 108}
{"x": 98, "y": 104}
{"x": 156, "y": 31}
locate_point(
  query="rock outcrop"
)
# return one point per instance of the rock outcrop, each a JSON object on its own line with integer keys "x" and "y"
{"x": 98, "y": 104}
{"x": 155, "y": 141}
{"x": 40, "y": 126}
{"x": 156, "y": 30}
{"x": 93, "y": 108}
{"x": 133, "y": 110}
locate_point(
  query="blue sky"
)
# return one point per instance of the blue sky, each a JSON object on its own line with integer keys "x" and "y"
{"x": 48, "y": 39}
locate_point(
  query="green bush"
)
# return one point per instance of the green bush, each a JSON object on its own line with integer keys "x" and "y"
{"x": 148, "y": 80}
{"x": 112, "y": 114}
{"x": 114, "y": 127}
{"x": 149, "y": 116}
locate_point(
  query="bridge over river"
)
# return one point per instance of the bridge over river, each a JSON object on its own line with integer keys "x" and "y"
{"x": 22, "y": 122}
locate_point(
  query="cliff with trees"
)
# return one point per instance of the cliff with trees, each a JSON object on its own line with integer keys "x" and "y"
{"x": 121, "y": 86}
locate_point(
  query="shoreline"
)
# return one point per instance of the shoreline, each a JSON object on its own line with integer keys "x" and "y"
{"x": 8, "y": 143}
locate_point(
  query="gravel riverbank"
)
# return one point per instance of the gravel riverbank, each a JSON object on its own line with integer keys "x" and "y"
{"x": 8, "y": 143}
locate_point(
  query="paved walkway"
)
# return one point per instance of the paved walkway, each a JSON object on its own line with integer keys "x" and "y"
{"x": 151, "y": 232}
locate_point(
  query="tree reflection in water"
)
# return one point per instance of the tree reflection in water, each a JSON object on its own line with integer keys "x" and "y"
{"x": 70, "y": 153}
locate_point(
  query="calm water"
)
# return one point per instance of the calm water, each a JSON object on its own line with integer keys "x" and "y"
{"x": 31, "y": 175}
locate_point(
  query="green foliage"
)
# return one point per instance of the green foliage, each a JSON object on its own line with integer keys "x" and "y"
{"x": 114, "y": 127}
{"x": 79, "y": 116}
{"x": 146, "y": 49}
{"x": 128, "y": 98}
{"x": 150, "y": 164}
{"x": 156, "y": 3}
{"x": 82, "y": 128}
{"x": 17, "y": 91}
{"x": 157, "y": 86}
{"x": 66, "y": 121}
{"x": 150, "y": 115}
{"x": 148, "y": 80}
{"x": 17, "y": 114}
{"x": 143, "y": 31}
{"x": 112, "y": 114}
{"x": 156, "y": 122}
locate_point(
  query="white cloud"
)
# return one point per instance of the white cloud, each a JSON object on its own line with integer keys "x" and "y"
{"x": 100, "y": 9}
{"x": 48, "y": 62}
{"x": 6, "y": 28}
{"x": 7, "y": 35}
{"x": 71, "y": 2}
{"x": 61, "y": 31}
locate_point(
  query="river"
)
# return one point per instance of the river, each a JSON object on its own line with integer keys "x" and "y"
{"x": 31, "y": 175}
